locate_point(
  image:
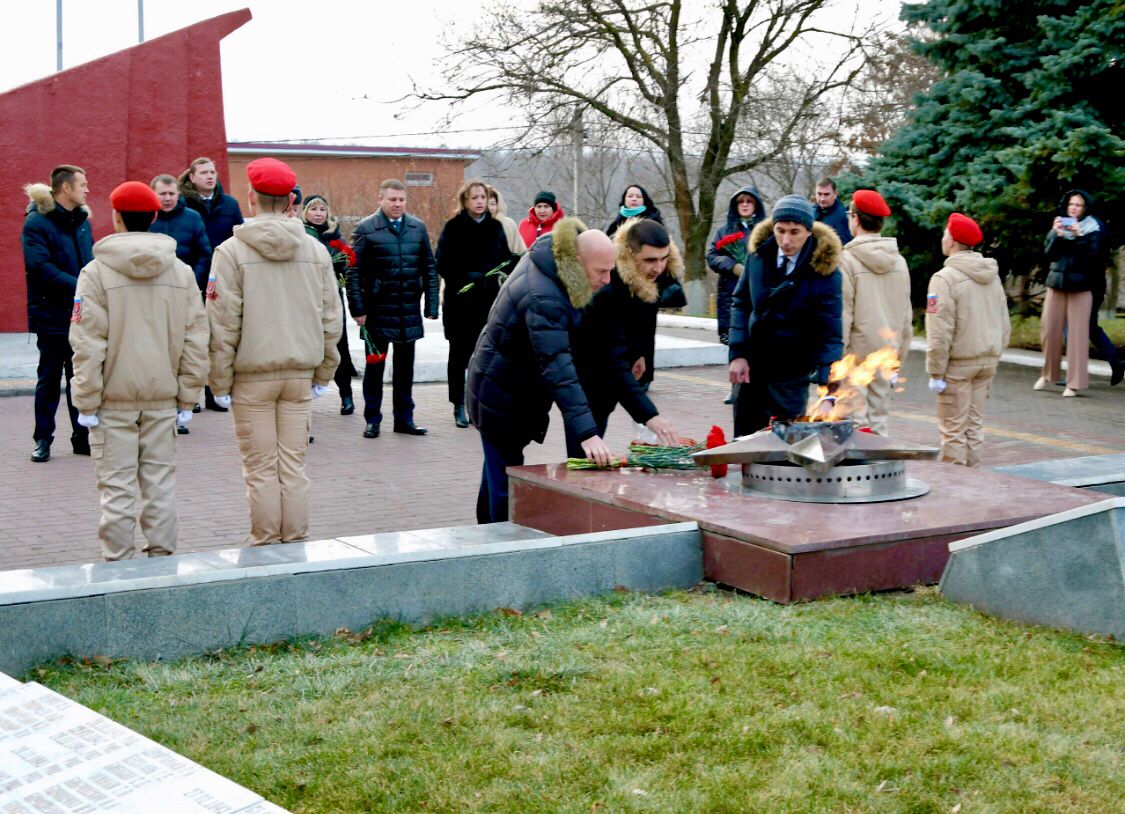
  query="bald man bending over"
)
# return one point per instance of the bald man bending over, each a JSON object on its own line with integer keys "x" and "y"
{"x": 522, "y": 363}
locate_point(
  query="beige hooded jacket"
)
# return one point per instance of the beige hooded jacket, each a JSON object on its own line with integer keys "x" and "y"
{"x": 876, "y": 291}
{"x": 967, "y": 318}
{"x": 139, "y": 331}
{"x": 273, "y": 305}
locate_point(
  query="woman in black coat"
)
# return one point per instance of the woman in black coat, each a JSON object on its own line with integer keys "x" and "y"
{"x": 635, "y": 203}
{"x": 321, "y": 224}
{"x": 472, "y": 244}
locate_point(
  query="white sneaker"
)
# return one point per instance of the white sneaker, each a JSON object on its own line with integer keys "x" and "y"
{"x": 1069, "y": 394}
{"x": 1041, "y": 384}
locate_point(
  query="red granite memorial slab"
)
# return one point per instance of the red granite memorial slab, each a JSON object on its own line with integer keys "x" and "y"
{"x": 784, "y": 550}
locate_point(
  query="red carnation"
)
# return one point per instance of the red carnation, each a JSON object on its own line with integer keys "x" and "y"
{"x": 734, "y": 237}
{"x": 343, "y": 248}
{"x": 716, "y": 438}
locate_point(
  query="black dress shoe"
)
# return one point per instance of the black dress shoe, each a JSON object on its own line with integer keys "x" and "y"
{"x": 410, "y": 429}
{"x": 347, "y": 405}
{"x": 42, "y": 452}
{"x": 197, "y": 408}
{"x": 1118, "y": 373}
{"x": 80, "y": 447}
{"x": 218, "y": 408}
{"x": 182, "y": 430}
{"x": 459, "y": 417}
{"x": 371, "y": 431}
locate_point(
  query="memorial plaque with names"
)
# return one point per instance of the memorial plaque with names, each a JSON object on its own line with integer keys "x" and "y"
{"x": 59, "y": 757}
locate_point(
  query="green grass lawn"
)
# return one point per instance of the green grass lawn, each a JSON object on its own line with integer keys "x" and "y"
{"x": 688, "y": 702}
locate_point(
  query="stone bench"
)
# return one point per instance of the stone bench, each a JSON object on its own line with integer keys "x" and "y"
{"x": 188, "y": 604}
{"x": 1099, "y": 473}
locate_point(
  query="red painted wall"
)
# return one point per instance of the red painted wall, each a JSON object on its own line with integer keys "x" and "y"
{"x": 110, "y": 117}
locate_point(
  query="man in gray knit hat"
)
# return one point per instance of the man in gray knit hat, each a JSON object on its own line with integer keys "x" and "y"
{"x": 785, "y": 328}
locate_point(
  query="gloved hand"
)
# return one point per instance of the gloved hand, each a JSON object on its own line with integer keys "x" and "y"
{"x": 87, "y": 420}
{"x": 183, "y": 417}
{"x": 937, "y": 385}
{"x": 223, "y": 401}
{"x": 318, "y": 390}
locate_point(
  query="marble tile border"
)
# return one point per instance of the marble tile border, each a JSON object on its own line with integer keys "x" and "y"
{"x": 1081, "y": 472}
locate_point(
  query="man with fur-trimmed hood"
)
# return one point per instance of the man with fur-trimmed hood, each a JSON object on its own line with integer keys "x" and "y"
{"x": 523, "y": 362}
{"x": 786, "y": 315}
{"x": 619, "y": 328}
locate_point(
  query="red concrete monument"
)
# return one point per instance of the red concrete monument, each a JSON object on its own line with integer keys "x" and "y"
{"x": 133, "y": 114}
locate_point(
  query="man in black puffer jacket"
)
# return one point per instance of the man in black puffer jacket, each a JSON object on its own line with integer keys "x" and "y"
{"x": 394, "y": 269}
{"x": 57, "y": 243}
{"x": 183, "y": 225}
{"x": 523, "y": 364}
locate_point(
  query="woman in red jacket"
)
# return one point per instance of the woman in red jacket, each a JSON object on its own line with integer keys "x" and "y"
{"x": 545, "y": 212}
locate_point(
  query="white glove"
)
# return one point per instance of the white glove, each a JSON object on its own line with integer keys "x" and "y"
{"x": 183, "y": 417}
{"x": 87, "y": 420}
{"x": 937, "y": 385}
{"x": 223, "y": 401}
{"x": 318, "y": 390}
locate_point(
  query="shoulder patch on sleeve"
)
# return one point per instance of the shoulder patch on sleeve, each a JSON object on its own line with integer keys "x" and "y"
{"x": 76, "y": 313}
{"x": 931, "y": 303}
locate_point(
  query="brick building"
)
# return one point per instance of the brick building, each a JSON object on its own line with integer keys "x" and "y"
{"x": 349, "y": 176}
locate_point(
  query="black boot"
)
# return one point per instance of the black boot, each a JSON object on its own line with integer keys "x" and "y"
{"x": 733, "y": 395}
{"x": 347, "y": 405}
{"x": 80, "y": 445}
{"x": 42, "y": 452}
{"x": 459, "y": 417}
{"x": 1118, "y": 372}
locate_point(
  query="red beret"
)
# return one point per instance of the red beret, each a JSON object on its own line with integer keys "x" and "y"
{"x": 133, "y": 196}
{"x": 271, "y": 177}
{"x": 870, "y": 202}
{"x": 964, "y": 229}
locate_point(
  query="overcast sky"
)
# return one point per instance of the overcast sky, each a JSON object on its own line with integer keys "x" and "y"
{"x": 341, "y": 61}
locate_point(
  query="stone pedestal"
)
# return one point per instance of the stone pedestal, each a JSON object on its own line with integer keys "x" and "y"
{"x": 787, "y": 551}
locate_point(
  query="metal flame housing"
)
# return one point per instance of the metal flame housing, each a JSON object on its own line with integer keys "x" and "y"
{"x": 848, "y": 483}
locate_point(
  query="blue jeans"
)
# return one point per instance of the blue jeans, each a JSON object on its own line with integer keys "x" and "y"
{"x": 492, "y": 499}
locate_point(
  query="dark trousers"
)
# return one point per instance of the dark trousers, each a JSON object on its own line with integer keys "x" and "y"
{"x": 461, "y": 345}
{"x": 492, "y": 499}
{"x": 573, "y": 447}
{"x": 402, "y": 384}
{"x": 345, "y": 371}
{"x": 761, "y": 400}
{"x": 1106, "y": 349}
{"x": 55, "y": 359}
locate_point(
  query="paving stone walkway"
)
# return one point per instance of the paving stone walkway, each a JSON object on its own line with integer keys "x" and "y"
{"x": 49, "y": 512}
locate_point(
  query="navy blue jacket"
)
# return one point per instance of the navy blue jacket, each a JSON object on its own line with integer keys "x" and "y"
{"x": 392, "y": 273}
{"x": 523, "y": 361}
{"x": 220, "y": 214}
{"x": 1077, "y": 264}
{"x": 56, "y": 245}
{"x": 185, "y": 226}
{"x": 789, "y": 328}
{"x": 836, "y": 217}
{"x": 722, "y": 263}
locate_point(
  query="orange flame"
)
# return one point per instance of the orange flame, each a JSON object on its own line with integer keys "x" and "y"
{"x": 851, "y": 376}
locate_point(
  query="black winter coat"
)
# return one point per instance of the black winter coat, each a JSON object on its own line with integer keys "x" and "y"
{"x": 523, "y": 360}
{"x": 789, "y": 328}
{"x": 607, "y": 343}
{"x": 193, "y": 247}
{"x": 1077, "y": 264}
{"x": 650, "y": 213}
{"x": 722, "y": 263}
{"x": 836, "y": 217}
{"x": 56, "y": 246}
{"x": 326, "y": 233}
{"x": 392, "y": 273}
{"x": 220, "y": 214}
{"x": 466, "y": 252}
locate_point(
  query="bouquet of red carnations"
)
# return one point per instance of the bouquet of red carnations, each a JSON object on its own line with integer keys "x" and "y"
{"x": 374, "y": 353}
{"x": 647, "y": 456}
{"x": 733, "y": 246}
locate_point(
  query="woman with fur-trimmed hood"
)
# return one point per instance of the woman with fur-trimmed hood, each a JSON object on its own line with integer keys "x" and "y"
{"x": 786, "y": 315}
{"x": 619, "y": 327}
{"x": 523, "y": 362}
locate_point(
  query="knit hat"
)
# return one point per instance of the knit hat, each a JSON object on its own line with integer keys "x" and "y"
{"x": 297, "y": 198}
{"x": 133, "y": 196}
{"x": 964, "y": 229}
{"x": 547, "y": 198}
{"x": 870, "y": 202}
{"x": 271, "y": 177}
{"x": 795, "y": 209}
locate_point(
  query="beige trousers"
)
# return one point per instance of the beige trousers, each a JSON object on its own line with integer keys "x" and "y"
{"x": 132, "y": 448}
{"x": 1070, "y": 309}
{"x": 960, "y": 412}
{"x": 271, "y": 422}
{"x": 875, "y": 404}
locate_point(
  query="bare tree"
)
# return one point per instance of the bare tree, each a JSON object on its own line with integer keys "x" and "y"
{"x": 648, "y": 67}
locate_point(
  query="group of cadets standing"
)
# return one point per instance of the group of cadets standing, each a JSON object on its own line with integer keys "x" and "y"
{"x": 574, "y": 326}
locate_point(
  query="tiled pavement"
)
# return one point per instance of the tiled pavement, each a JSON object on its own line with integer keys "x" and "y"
{"x": 49, "y": 512}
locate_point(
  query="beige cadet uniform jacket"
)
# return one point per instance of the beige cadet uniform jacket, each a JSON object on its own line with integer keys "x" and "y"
{"x": 876, "y": 291}
{"x": 274, "y": 306}
{"x": 138, "y": 329}
{"x": 967, "y": 320}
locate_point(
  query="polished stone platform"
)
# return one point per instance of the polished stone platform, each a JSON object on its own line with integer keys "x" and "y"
{"x": 788, "y": 551}
{"x": 188, "y": 604}
{"x": 1100, "y": 473}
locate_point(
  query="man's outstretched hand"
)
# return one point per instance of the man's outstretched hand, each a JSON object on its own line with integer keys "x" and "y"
{"x": 597, "y": 451}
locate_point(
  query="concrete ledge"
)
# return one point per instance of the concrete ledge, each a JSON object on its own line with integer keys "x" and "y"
{"x": 196, "y": 603}
{"x": 1102, "y": 473}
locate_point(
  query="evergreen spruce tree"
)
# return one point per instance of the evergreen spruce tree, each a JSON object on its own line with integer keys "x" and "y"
{"x": 1028, "y": 106}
